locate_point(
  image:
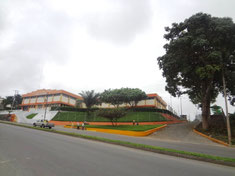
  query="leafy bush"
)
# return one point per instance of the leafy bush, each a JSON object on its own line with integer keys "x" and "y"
{"x": 112, "y": 114}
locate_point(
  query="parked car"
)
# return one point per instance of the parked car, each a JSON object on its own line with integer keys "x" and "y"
{"x": 43, "y": 124}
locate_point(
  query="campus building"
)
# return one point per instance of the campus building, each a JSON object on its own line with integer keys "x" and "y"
{"x": 42, "y": 98}
{"x": 153, "y": 100}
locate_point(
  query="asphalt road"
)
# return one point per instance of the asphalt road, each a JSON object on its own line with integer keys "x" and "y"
{"x": 210, "y": 149}
{"x": 28, "y": 152}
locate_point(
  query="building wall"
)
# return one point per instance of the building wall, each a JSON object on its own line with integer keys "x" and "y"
{"x": 38, "y": 102}
{"x": 72, "y": 101}
{"x": 25, "y": 100}
{"x": 40, "y": 99}
{"x": 65, "y": 99}
{"x": 57, "y": 98}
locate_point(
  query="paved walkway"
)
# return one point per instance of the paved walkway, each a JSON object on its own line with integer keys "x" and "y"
{"x": 206, "y": 148}
{"x": 181, "y": 133}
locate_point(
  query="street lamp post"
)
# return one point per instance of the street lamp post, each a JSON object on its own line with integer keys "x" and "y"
{"x": 226, "y": 108}
{"x": 46, "y": 106}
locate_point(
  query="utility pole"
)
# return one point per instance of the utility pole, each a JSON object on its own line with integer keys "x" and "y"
{"x": 46, "y": 99}
{"x": 14, "y": 97}
{"x": 181, "y": 105}
{"x": 226, "y": 108}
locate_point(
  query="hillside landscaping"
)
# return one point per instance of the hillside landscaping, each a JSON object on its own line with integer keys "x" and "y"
{"x": 129, "y": 117}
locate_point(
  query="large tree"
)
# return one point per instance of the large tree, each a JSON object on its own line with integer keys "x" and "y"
{"x": 198, "y": 52}
{"x": 12, "y": 101}
{"x": 117, "y": 97}
{"x": 133, "y": 96}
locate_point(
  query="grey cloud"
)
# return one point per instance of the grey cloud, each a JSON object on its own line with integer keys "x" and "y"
{"x": 40, "y": 35}
{"x": 121, "y": 23}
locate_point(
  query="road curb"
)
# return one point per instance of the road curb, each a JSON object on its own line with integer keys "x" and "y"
{"x": 171, "y": 152}
{"x": 212, "y": 139}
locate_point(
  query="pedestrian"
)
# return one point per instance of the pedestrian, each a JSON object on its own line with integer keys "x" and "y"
{"x": 83, "y": 126}
{"x": 78, "y": 125}
{"x": 133, "y": 122}
{"x": 137, "y": 123}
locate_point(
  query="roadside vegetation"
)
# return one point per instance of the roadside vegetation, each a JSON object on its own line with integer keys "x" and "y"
{"x": 218, "y": 128}
{"x": 196, "y": 62}
{"x": 30, "y": 116}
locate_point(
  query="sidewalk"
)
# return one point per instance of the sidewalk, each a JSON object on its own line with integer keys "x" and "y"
{"x": 210, "y": 149}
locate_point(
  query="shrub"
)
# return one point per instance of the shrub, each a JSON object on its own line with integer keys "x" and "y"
{"x": 112, "y": 114}
{"x": 68, "y": 108}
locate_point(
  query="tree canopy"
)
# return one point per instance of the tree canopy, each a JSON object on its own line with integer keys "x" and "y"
{"x": 13, "y": 101}
{"x": 117, "y": 97}
{"x": 199, "y": 50}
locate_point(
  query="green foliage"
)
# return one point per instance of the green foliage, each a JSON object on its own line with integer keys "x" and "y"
{"x": 69, "y": 108}
{"x": 117, "y": 97}
{"x": 90, "y": 98}
{"x": 112, "y": 114}
{"x": 78, "y": 103}
{"x": 13, "y": 101}
{"x": 133, "y": 96}
{"x": 198, "y": 51}
{"x": 30, "y": 116}
{"x": 217, "y": 110}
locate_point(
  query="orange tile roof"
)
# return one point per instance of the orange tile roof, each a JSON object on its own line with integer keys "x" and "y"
{"x": 50, "y": 92}
{"x": 158, "y": 97}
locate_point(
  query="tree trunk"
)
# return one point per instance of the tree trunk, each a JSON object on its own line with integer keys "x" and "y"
{"x": 206, "y": 100}
{"x": 205, "y": 113}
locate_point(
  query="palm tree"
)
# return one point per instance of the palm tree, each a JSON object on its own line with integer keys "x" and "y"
{"x": 90, "y": 99}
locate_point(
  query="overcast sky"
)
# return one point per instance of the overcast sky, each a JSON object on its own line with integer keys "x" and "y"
{"x": 80, "y": 45}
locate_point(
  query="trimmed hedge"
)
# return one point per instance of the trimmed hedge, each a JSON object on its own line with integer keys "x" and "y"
{"x": 68, "y": 108}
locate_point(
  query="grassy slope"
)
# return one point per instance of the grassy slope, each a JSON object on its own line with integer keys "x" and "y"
{"x": 137, "y": 116}
{"x": 125, "y": 127}
{"x": 31, "y": 116}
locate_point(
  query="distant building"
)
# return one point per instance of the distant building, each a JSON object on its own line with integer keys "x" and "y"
{"x": 42, "y": 98}
{"x": 153, "y": 100}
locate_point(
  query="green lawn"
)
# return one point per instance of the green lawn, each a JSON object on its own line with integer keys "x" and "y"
{"x": 129, "y": 117}
{"x": 125, "y": 127}
{"x": 31, "y": 116}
